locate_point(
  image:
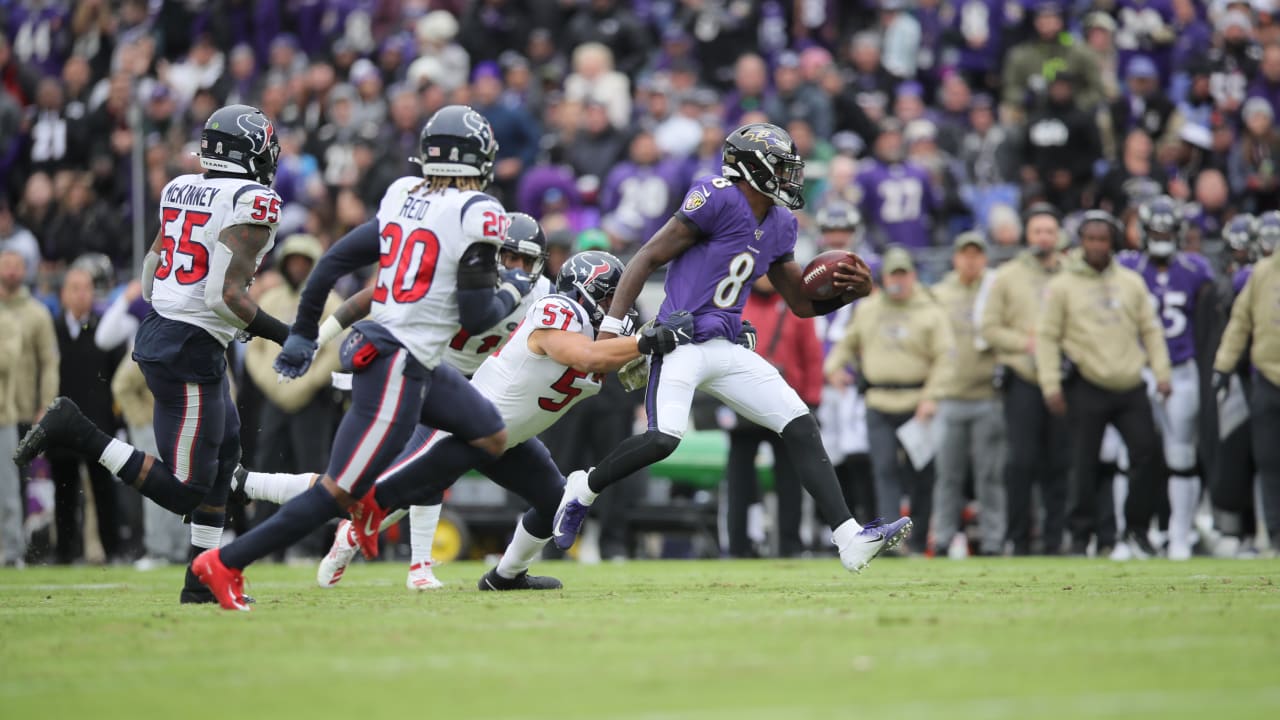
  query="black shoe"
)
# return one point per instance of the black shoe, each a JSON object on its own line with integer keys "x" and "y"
{"x": 62, "y": 424}
{"x": 194, "y": 592}
{"x": 238, "y": 478}
{"x": 524, "y": 581}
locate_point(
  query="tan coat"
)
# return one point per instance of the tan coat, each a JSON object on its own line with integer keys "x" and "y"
{"x": 129, "y": 388}
{"x": 1012, "y": 310}
{"x": 896, "y": 343}
{"x": 1102, "y": 321}
{"x": 282, "y": 302}
{"x": 1256, "y": 316}
{"x": 10, "y": 351}
{"x": 971, "y": 370}
{"x": 36, "y": 370}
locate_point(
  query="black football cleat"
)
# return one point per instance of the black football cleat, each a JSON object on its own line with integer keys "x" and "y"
{"x": 62, "y": 424}
{"x": 524, "y": 581}
{"x": 238, "y": 478}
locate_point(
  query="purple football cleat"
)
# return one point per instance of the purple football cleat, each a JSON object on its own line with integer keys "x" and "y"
{"x": 874, "y": 538}
{"x": 571, "y": 513}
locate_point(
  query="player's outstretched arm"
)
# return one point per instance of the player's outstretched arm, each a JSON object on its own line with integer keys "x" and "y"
{"x": 578, "y": 352}
{"x": 235, "y": 259}
{"x": 348, "y": 313}
{"x": 853, "y": 279}
{"x": 667, "y": 244}
{"x": 358, "y": 248}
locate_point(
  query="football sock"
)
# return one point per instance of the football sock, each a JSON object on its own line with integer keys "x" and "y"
{"x": 584, "y": 493}
{"x": 447, "y": 461}
{"x": 114, "y": 456}
{"x": 843, "y": 534}
{"x": 423, "y": 520}
{"x": 809, "y": 458}
{"x": 634, "y": 453}
{"x": 288, "y": 525}
{"x": 206, "y": 527}
{"x": 523, "y": 550}
{"x": 151, "y": 477}
{"x": 278, "y": 488}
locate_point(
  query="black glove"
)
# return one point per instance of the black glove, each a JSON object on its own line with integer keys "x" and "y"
{"x": 657, "y": 340}
{"x": 630, "y": 323}
{"x": 518, "y": 279}
{"x": 1221, "y": 384}
{"x": 295, "y": 356}
{"x": 681, "y": 323}
{"x": 747, "y": 337}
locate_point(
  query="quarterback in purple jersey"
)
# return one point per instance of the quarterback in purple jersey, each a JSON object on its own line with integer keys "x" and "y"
{"x": 1180, "y": 283}
{"x": 730, "y": 230}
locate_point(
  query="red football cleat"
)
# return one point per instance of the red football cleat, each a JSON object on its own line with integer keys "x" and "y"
{"x": 366, "y": 522}
{"x": 226, "y": 584}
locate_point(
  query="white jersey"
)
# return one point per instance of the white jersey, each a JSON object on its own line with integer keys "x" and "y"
{"x": 423, "y": 237}
{"x": 532, "y": 391}
{"x": 194, "y": 210}
{"x": 466, "y": 352}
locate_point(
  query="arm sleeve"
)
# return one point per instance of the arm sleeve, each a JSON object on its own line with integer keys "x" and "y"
{"x": 1152, "y": 335}
{"x": 1048, "y": 337}
{"x": 1238, "y": 331}
{"x": 356, "y": 249}
{"x": 481, "y": 302}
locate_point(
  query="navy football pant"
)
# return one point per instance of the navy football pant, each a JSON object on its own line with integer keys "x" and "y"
{"x": 197, "y": 432}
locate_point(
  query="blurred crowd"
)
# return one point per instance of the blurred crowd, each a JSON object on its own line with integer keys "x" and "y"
{"x": 926, "y": 118}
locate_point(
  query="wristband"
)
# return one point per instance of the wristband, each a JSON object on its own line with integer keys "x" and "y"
{"x": 613, "y": 325}
{"x": 329, "y": 330}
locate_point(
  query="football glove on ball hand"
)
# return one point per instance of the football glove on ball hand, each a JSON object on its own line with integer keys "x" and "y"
{"x": 747, "y": 338}
{"x": 295, "y": 356}
{"x": 518, "y": 279}
{"x": 681, "y": 323}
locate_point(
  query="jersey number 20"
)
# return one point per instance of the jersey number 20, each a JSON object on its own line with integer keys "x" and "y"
{"x": 407, "y": 265}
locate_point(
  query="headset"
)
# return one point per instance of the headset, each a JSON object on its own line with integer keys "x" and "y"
{"x": 1102, "y": 216}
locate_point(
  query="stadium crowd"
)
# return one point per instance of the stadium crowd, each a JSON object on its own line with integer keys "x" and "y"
{"x": 941, "y": 138}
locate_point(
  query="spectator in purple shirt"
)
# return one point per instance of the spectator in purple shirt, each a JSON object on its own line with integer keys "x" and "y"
{"x": 897, "y": 196}
{"x": 1266, "y": 84}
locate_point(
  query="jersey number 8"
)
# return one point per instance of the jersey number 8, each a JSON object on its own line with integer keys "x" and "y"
{"x": 407, "y": 265}
{"x": 728, "y": 290}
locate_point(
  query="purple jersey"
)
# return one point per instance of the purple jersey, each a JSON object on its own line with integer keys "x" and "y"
{"x": 980, "y": 24}
{"x": 40, "y": 34}
{"x": 1174, "y": 291}
{"x": 897, "y": 200}
{"x": 643, "y": 195}
{"x": 1241, "y": 278}
{"x": 712, "y": 278}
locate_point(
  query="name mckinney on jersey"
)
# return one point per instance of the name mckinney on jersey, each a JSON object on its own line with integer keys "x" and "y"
{"x": 201, "y": 195}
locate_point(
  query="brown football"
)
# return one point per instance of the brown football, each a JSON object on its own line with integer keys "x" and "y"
{"x": 819, "y": 275}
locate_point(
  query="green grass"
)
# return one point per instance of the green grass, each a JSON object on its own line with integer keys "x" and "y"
{"x": 732, "y": 640}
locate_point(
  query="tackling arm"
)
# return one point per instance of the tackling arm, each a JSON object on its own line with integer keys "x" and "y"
{"x": 226, "y": 293}
{"x": 575, "y": 350}
{"x": 671, "y": 240}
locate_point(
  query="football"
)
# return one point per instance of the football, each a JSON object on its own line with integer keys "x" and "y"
{"x": 820, "y": 274}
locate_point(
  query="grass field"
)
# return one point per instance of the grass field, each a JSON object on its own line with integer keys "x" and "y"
{"x": 733, "y": 640}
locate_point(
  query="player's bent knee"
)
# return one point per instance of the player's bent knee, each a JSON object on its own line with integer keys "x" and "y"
{"x": 662, "y": 443}
{"x": 493, "y": 444}
{"x": 802, "y": 429}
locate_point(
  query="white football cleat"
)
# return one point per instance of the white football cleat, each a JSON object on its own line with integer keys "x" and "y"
{"x": 341, "y": 553}
{"x": 874, "y": 538}
{"x": 422, "y": 577}
{"x": 1179, "y": 550}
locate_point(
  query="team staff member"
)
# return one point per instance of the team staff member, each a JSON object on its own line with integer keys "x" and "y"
{"x": 1036, "y": 439}
{"x": 901, "y": 342}
{"x": 1095, "y": 313}
{"x": 972, "y": 421}
{"x": 1255, "y": 318}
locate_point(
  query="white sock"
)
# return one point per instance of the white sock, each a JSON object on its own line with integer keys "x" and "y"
{"x": 115, "y": 455}
{"x": 842, "y": 535}
{"x": 423, "y": 520}
{"x": 583, "y": 492}
{"x": 522, "y": 551}
{"x": 206, "y": 536}
{"x": 278, "y": 488}
{"x": 1184, "y": 495}
{"x": 390, "y": 520}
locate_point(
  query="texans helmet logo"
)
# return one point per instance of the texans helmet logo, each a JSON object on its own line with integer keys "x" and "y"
{"x": 257, "y": 129}
{"x": 480, "y": 129}
{"x": 596, "y": 271}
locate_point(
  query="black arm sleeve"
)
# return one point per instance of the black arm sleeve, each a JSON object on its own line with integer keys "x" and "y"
{"x": 265, "y": 325}
{"x": 355, "y": 250}
{"x": 480, "y": 304}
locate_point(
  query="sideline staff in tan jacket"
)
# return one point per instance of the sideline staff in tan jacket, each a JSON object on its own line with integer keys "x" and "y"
{"x": 901, "y": 343}
{"x": 1097, "y": 312}
{"x": 1037, "y": 440}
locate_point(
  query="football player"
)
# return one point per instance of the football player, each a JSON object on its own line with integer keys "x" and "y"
{"x": 1181, "y": 285}
{"x": 215, "y": 229}
{"x": 435, "y": 239}
{"x": 524, "y": 247}
{"x": 732, "y": 229}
